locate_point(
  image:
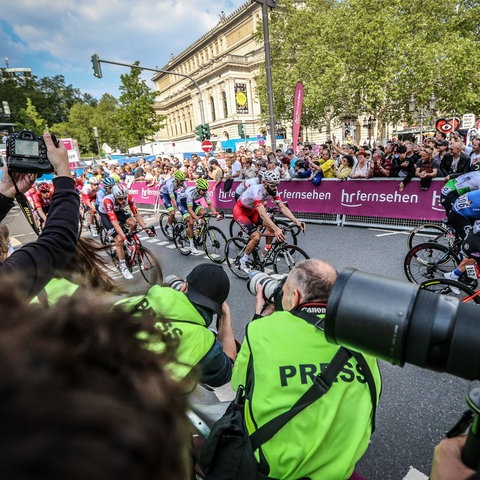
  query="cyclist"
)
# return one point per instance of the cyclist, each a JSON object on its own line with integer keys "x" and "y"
{"x": 108, "y": 184}
{"x": 191, "y": 210}
{"x": 249, "y": 182}
{"x": 458, "y": 186}
{"x": 465, "y": 219}
{"x": 116, "y": 210}
{"x": 42, "y": 199}
{"x": 250, "y": 212}
{"x": 89, "y": 194}
{"x": 168, "y": 194}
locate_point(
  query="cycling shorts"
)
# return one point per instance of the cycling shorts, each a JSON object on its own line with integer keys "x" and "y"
{"x": 471, "y": 246}
{"x": 122, "y": 217}
{"x": 248, "y": 218}
{"x": 167, "y": 201}
{"x": 462, "y": 225}
{"x": 182, "y": 206}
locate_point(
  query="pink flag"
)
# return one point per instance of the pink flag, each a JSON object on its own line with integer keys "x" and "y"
{"x": 297, "y": 114}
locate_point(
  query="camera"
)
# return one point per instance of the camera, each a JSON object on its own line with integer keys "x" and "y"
{"x": 173, "y": 281}
{"x": 406, "y": 325}
{"x": 272, "y": 287}
{"x": 27, "y": 153}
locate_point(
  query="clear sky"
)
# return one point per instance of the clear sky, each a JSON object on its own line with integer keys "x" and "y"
{"x": 58, "y": 37}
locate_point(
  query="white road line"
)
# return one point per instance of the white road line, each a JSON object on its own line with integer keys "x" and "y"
{"x": 390, "y": 233}
{"x": 414, "y": 474}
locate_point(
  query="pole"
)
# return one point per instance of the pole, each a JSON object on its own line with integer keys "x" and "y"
{"x": 202, "y": 113}
{"x": 95, "y": 133}
{"x": 268, "y": 69}
{"x": 421, "y": 126}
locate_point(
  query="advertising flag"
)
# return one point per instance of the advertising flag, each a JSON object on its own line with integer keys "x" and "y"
{"x": 297, "y": 114}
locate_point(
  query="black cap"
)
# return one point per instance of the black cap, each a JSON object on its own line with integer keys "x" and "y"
{"x": 208, "y": 286}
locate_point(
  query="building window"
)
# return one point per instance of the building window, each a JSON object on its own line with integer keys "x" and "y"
{"x": 225, "y": 105}
{"x": 212, "y": 109}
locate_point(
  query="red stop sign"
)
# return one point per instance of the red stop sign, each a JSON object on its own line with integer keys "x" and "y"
{"x": 207, "y": 146}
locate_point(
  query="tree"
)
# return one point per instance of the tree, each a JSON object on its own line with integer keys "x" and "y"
{"x": 136, "y": 112}
{"x": 30, "y": 119}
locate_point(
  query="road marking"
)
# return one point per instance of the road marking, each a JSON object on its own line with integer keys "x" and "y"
{"x": 390, "y": 233}
{"x": 414, "y": 474}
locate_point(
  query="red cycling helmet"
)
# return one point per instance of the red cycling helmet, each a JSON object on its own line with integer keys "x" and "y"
{"x": 43, "y": 187}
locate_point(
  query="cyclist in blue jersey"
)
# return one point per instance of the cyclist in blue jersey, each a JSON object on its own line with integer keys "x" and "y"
{"x": 108, "y": 184}
{"x": 168, "y": 194}
{"x": 192, "y": 210}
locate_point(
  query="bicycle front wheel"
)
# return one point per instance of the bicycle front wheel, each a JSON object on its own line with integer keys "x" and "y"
{"x": 452, "y": 289}
{"x": 286, "y": 257}
{"x": 428, "y": 261}
{"x": 428, "y": 232}
{"x": 149, "y": 267}
{"x": 163, "y": 222}
{"x": 214, "y": 241}
{"x": 180, "y": 237}
{"x": 234, "y": 251}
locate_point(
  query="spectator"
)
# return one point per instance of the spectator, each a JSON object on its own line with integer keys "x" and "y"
{"x": 36, "y": 262}
{"x": 455, "y": 164}
{"x": 346, "y": 165}
{"x": 139, "y": 171}
{"x": 382, "y": 165}
{"x": 475, "y": 154}
{"x": 363, "y": 168}
{"x": 248, "y": 169}
{"x": 215, "y": 173}
{"x": 305, "y": 447}
{"x": 426, "y": 169}
{"x": 404, "y": 166}
{"x": 442, "y": 155}
{"x": 191, "y": 312}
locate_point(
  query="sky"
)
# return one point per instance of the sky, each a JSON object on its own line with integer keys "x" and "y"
{"x": 58, "y": 37}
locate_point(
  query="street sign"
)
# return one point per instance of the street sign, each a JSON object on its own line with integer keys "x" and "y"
{"x": 207, "y": 146}
{"x": 468, "y": 120}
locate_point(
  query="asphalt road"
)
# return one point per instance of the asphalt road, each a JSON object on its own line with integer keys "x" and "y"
{"x": 417, "y": 406}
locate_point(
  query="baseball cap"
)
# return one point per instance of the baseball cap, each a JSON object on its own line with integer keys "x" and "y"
{"x": 208, "y": 286}
{"x": 289, "y": 152}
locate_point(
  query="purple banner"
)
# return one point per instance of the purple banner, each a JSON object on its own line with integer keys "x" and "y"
{"x": 370, "y": 198}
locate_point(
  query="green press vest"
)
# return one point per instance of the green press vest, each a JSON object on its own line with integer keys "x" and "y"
{"x": 182, "y": 322}
{"x": 55, "y": 289}
{"x": 326, "y": 439}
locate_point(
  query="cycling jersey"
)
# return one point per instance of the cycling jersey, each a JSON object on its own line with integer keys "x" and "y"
{"x": 246, "y": 184}
{"x": 101, "y": 193}
{"x": 110, "y": 207}
{"x": 463, "y": 184}
{"x": 88, "y": 194}
{"x": 468, "y": 205}
{"x": 169, "y": 187}
{"x": 190, "y": 194}
{"x": 255, "y": 196}
{"x": 40, "y": 201}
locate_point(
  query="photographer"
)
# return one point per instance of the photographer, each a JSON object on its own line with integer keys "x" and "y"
{"x": 190, "y": 307}
{"x": 36, "y": 262}
{"x": 282, "y": 353}
{"x": 447, "y": 461}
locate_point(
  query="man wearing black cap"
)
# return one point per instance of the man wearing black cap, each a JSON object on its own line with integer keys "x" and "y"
{"x": 186, "y": 312}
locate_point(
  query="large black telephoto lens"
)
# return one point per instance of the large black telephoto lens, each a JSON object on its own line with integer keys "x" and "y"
{"x": 400, "y": 323}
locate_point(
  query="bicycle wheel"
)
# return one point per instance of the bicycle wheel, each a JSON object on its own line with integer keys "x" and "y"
{"x": 163, "y": 222}
{"x": 428, "y": 261}
{"x": 214, "y": 241}
{"x": 286, "y": 257}
{"x": 149, "y": 267}
{"x": 452, "y": 289}
{"x": 103, "y": 235}
{"x": 180, "y": 237}
{"x": 234, "y": 251}
{"x": 428, "y": 232}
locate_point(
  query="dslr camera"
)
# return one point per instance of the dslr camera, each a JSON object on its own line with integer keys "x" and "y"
{"x": 27, "y": 153}
{"x": 272, "y": 287}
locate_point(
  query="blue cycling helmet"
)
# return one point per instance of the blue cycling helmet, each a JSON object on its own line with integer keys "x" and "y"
{"x": 108, "y": 182}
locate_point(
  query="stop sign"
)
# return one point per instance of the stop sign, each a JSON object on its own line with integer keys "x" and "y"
{"x": 207, "y": 146}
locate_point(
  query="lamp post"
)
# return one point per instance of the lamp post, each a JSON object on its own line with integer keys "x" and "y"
{"x": 95, "y": 134}
{"x": 368, "y": 123}
{"x": 422, "y": 112}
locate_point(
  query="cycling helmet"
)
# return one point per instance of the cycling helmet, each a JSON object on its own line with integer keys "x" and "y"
{"x": 201, "y": 184}
{"x": 43, "y": 187}
{"x": 271, "y": 177}
{"x": 108, "y": 182}
{"x": 179, "y": 175}
{"x": 94, "y": 181}
{"x": 120, "y": 191}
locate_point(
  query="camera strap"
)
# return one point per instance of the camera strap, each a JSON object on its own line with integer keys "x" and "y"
{"x": 24, "y": 205}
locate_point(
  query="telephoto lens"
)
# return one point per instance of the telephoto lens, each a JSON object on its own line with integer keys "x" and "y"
{"x": 272, "y": 287}
{"x": 173, "y": 281}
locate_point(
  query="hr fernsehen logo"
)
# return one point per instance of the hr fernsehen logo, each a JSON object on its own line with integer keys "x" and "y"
{"x": 358, "y": 198}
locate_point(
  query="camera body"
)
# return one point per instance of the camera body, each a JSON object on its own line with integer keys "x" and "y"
{"x": 272, "y": 287}
{"x": 27, "y": 153}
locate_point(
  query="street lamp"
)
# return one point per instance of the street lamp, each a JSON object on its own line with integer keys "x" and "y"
{"x": 95, "y": 134}
{"x": 422, "y": 112}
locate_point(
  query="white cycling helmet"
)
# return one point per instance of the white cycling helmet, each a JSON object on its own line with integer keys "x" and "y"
{"x": 94, "y": 181}
{"x": 120, "y": 191}
{"x": 271, "y": 177}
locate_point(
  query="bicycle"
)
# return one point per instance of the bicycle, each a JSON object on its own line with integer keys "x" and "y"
{"x": 428, "y": 261}
{"x": 163, "y": 222}
{"x": 212, "y": 239}
{"x": 281, "y": 256}
{"x": 452, "y": 288}
{"x": 137, "y": 254}
{"x": 432, "y": 233}
{"x": 291, "y": 232}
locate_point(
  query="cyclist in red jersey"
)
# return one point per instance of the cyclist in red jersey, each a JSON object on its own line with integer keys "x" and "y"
{"x": 89, "y": 195}
{"x": 42, "y": 199}
{"x": 118, "y": 209}
{"x": 250, "y": 212}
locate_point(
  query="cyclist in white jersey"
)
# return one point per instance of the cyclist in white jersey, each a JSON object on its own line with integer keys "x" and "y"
{"x": 250, "y": 182}
{"x": 168, "y": 193}
{"x": 455, "y": 187}
{"x": 250, "y": 212}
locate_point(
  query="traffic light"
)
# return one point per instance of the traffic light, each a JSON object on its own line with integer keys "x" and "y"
{"x": 206, "y": 131}
{"x": 199, "y": 133}
{"x": 97, "y": 69}
{"x": 241, "y": 129}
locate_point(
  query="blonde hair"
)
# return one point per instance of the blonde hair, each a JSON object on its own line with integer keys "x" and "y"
{"x": 4, "y": 241}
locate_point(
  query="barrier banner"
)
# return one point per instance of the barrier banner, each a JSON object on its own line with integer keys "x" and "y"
{"x": 370, "y": 198}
